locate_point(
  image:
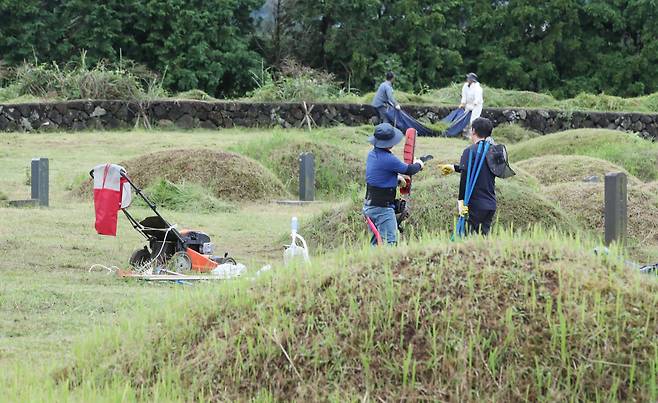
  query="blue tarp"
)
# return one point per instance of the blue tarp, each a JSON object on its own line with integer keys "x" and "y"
{"x": 458, "y": 120}
{"x": 403, "y": 121}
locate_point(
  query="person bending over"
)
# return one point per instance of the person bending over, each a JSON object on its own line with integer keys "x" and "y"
{"x": 384, "y": 98}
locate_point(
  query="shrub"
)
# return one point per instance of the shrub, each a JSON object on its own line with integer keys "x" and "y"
{"x": 295, "y": 83}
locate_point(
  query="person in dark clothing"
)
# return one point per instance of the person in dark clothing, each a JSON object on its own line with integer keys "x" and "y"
{"x": 383, "y": 175}
{"x": 384, "y": 98}
{"x": 482, "y": 205}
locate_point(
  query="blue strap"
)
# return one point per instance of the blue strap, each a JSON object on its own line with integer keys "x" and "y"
{"x": 471, "y": 178}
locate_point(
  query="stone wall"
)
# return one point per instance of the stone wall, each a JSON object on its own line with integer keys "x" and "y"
{"x": 99, "y": 115}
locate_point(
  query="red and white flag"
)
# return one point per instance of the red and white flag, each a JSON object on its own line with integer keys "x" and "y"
{"x": 112, "y": 192}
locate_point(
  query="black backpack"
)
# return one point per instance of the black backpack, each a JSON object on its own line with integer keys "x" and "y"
{"x": 498, "y": 162}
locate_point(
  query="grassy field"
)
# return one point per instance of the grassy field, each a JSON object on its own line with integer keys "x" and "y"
{"x": 67, "y": 334}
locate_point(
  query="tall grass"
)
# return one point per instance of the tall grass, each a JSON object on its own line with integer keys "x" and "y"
{"x": 121, "y": 80}
{"x": 508, "y": 318}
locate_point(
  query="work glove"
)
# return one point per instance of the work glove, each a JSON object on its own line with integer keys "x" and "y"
{"x": 419, "y": 161}
{"x": 447, "y": 169}
{"x": 402, "y": 181}
{"x": 463, "y": 210}
{"x": 461, "y": 106}
{"x": 398, "y": 107}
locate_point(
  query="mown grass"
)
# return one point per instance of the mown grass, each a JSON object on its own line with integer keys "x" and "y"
{"x": 530, "y": 318}
{"x": 525, "y": 315}
{"x": 638, "y": 156}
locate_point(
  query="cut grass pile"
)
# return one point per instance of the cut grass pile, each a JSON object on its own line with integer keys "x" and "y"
{"x": 224, "y": 175}
{"x": 337, "y": 167}
{"x": 513, "y": 319}
{"x": 638, "y": 156}
{"x": 433, "y": 210}
{"x": 511, "y": 133}
{"x": 556, "y": 169}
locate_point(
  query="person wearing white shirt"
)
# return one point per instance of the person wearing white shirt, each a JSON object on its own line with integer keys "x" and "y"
{"x": 472, "y": 99}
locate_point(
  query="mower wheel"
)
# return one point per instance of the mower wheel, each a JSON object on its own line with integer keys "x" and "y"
{"x": 180, "y": 262}
{"x": 140, "y": 257}
{"x": 222, "y": 260}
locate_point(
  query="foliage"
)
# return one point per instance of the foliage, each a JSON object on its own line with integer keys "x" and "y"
{"x": 295, "y": 83}
{"x": 200, "y": 46}
{"x": 124, "y": 80}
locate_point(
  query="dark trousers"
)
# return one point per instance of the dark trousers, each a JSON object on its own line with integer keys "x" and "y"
{"x": 382, "y": 114}
{"x": 479, "y": 221}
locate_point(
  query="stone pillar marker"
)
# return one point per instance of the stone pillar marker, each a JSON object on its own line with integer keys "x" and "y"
{"x": 306, "y": 177}
{"x": 34, "y": 178}
{"x": 39, "y": 180}
{"x": 616, "y": 207}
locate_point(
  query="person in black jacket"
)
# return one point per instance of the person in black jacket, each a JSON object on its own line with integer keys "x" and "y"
{"x": 481, "y": 207}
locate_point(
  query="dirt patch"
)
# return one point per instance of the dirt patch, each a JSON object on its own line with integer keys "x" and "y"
{"x": 227, "y": 176}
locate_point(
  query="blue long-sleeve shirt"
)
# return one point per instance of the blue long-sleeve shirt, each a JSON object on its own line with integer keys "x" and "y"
{"x": 384, "y": 95}
{"x": 382, "y": 168}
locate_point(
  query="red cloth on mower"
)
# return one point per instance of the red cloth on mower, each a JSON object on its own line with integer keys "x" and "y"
{"x": 111, "y": 193}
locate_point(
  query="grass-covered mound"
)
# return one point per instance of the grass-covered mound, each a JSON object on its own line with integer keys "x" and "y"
{"x": 337, "y": 167}
{"x": 433, "y": 210}
{"x": 223, "y": 175}
{"x": 584, "y": 202}
{"x": 183, "y": 197}
{"x": 555, "y": 169}
{"x": 636, "y": 155}
{"x": 510, "y": 133}
{"x": 513, "y": 319}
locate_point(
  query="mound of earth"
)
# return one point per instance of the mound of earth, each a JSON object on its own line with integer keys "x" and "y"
{"x": 584, "y": 202}
{"x": 636, "y": 155}
{"x": 554, "y": 169}
{"x": 512, "y": 133}
{"x": 336, "y": 168}
{"x": 651, "y": 187}
{"x": 433, "y": 210}
{"x": 514, "y": 320}
{"x": 225, "y": 175}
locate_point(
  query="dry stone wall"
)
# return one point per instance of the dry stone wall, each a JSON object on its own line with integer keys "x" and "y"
{"x": 108, "y": 115}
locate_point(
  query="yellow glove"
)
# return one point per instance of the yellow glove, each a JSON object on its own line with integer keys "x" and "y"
{"x": 463, "y": 210}
{"x": 447, "y": 169}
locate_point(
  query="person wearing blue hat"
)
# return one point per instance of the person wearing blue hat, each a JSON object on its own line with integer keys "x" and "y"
{"x": 383, "y": 175}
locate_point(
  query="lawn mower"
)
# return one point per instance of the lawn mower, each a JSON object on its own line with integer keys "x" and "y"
{"x": 169, "y": 249}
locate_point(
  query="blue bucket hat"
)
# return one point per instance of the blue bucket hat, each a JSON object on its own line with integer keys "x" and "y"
{"x": 472, "y": 76}
{"x": 385, "y": 136}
